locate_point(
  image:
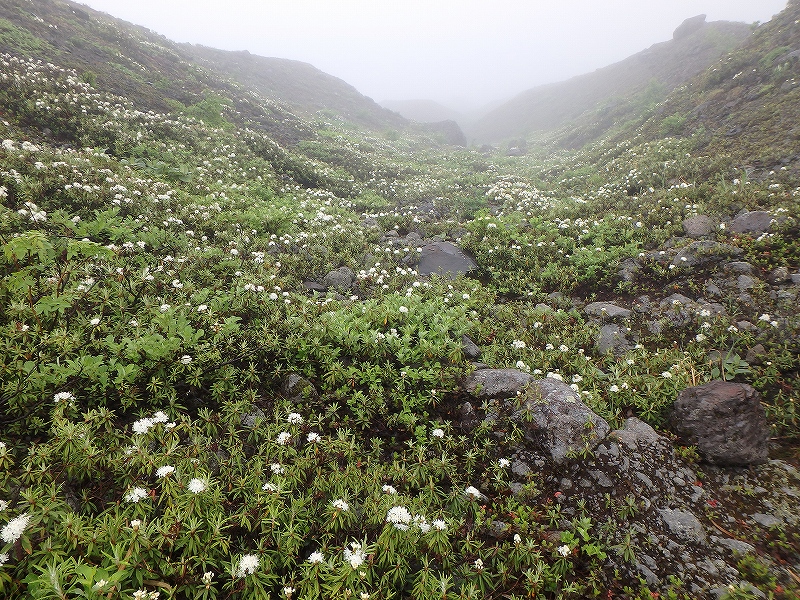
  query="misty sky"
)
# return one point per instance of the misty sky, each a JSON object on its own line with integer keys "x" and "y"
{"x": 460, "y": 52}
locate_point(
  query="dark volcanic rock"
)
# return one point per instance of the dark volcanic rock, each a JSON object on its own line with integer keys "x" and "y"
{"x": 725, "y": 421}
{"x": 757, "y": 221}
{"x": 497, "y": 383}
{"x": 607, "y": 310}
{"x": 444, "y": 258}
{"x": 698, "y": 226}
{"x": 553, "y": 417}
{"x": 340, "y": 279}
{"x": 613, "y": 338}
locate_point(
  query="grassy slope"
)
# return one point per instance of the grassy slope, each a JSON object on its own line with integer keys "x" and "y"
{"x": 167, "y": 276}
{"x": 632, "y": 83}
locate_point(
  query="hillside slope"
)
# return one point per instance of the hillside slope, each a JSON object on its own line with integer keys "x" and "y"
{"x": 643, "y": 78}
{"x": 134, "y": 62}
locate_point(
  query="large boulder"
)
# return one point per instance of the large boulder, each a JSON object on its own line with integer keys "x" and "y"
{"x": 554, "y": 419}
{"x": 726, "y": 422}
{"x": 444, "y": 258}
{"x": 756, "y": 221}
{"x": 549, "y": 412}
{"x": 698, "y": 226}
{"x": 613, "y": 338}
{"x": 607, "y": 310}
{"x": 689, "y": 26}
{"x": 490, "y": 384}
{"x": 340, "y": 279}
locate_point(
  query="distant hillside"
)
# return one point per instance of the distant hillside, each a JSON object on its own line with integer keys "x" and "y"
{"x": 134, "y": 62}
{"x": 297, "y": 84}
{"x": 636, "y": 82}
{"x": 422, "y": 111}
{"x": 745, "y": 108}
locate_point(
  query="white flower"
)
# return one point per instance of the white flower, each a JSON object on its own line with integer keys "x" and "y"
{"x": 160, "y": 417}
{"x": 316, "y": 557}
{"x": 197, "y": 485}
{"x": 295, "y": 418}
{"x": 288, "y": 591}
{"x": 399, "y": 517}
{"x": 277, "y": 469}
{"x": 313, "y": 437}
{"x": 614, "y": 388}
{"x": 135, "y": 524}
{"x": 522, "y": 366}
{"x": 557, "y": 376}
{"x": 3, "y": 558}
{"x": 666, "y": 375}
{"x": 4, "y": 505}
{"x": 577, "y": 379}
{"x": 437, "y": 433}
{"x": 14, "y": 528}
{"x": 503, "y": 463}
{"x": 268, "y": 487}
{"x": 388, "y": 489}
{"x": 340, "y": 505}
{"x": 517, "y": 539}
{"x": 63, "y": 397}
{"x": 563, "y": 348}
{"x": 283, "y": 438}
{"x": 164, "y": 471}
{"x": 186, "y": 359}
{"x": 564, "y": 550}
{"x": 164, "y": 308}
{"x": 549, "y": 347}
{"x": 403, "y": 309}
{"x": 764, "y": 317}
{"x": 247, "y": 565}
{"x": 136, "y": 494}
{"x": 478, "y": 564}
{"x": 207, "y": 576}
{"x": 202, "y": 308}
{"x": 176, "y": 283}
{"x": 473, "y": 492}
{"x": 95, "y": 321}
{"x": 439, "y": 524}
{"x": 700, "y": 337}
{"x": 518, "y": 345}
{"x": 354, "y": 555}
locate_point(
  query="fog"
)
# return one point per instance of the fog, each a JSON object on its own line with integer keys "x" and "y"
{"x": 462, "y": 53}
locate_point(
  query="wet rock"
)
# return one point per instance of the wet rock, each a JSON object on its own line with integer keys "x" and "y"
{"x": 734, "y": 545}
{"x": 766, "y": 521}
{"x": 613, "y": 338}
{"x": 340, "y": 279}
{"x": 553, "y": 418}
{"x": 638, "y": 435}
{"x": 779, "y": 275}
{"x": 739, "y": 267}
{"x": 313, "y": 286}
{"x": 607, "y": 310}
{"x": 297, "y": 388}
{"x": 756, "y": 354}
{"x": 684, "y": 525}
{"x": 444, "y": 258}
{"x": 698, "y": 226}
{"x": 704, "y": 252}
{"x": 470, "y": 348}
{"x": 497, "y": 383}
{"x": 252, "y": 418}
{"x": 725, "y": 420}
{"x": 757, "y": 221}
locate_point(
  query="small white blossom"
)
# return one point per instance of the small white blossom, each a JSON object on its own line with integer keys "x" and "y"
{"x": 437, "y": 433}
{"x": 354, "y": 555}
{"x": 14, "y": 529}
{"x": 473, "y": 492}
{"x": 399, "y": 517}
{"x": 316, "y": 557}
{"x": 518, "y": 345}
{"x": 197, "y": 485}
{"x": 277, "y": 469}
{"x": 247, "y": 565}
{"x": 164, "y": 471}
{"x": 564, "y": 550}
{"x": 341, "y": 505}
{"x": 186, "y": 359}
{"x": 136, "y": 494}
{"x": 95, "y": 321}
{"x": 388, "y": 489}
{"x": 503, "y": 463}
{"x": 283, "y": 438}
{"x": 312, "y": 438}
{"x": 478, "y": 564}
{"x": 439, "y": 524}
{"x": 666, "y": 375}
{"x": 295, "y": 418}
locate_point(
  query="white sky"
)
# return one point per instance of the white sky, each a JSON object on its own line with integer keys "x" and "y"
{"x": 461, "y": 52}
